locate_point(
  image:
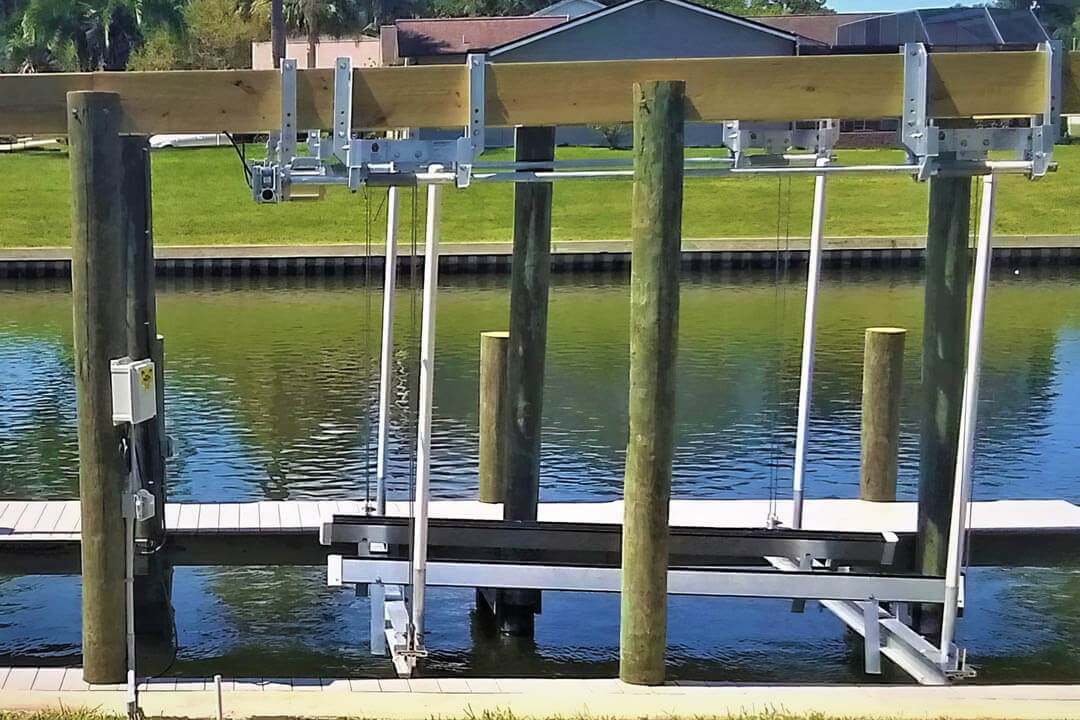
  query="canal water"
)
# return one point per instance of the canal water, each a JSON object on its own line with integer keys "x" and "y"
{"x": 271, "y": 395}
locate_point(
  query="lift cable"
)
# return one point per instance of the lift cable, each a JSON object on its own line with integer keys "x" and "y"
{"x": 369, "y": 358}
{"x": 780, "y": 274}
{"x": 412, "y": 388}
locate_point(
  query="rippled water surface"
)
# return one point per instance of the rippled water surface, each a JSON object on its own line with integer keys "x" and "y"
{"x": 270, "y": 395}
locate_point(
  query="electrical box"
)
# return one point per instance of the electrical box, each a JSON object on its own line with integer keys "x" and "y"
{"x": 134, "y": 390}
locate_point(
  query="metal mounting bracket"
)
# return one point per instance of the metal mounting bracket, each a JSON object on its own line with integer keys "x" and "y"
{"x": 915, "y": 132}
{"x": 341, "y": 160}
{"x": 926, "y": 144}
{"x": 777, "y": 138}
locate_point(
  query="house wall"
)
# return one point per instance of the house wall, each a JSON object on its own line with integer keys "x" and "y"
{"x": 365, "y": 52}
{"x": 651, "y": 29}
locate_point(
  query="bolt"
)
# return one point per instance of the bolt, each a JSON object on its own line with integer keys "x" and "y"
{"x": 963, "y": 143}
{"x": 986, "y": 142}
{"x": 941, "y": 135}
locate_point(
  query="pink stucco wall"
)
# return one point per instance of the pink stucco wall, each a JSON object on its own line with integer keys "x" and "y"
{"x": 365, "y": 52}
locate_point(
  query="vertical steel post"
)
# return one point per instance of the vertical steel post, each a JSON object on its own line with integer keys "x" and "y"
{"x": 387, "y": 357}
{"x": 423, "y": 429}
{"x": 806, "y": 375}
{"x": 966, "y": 442}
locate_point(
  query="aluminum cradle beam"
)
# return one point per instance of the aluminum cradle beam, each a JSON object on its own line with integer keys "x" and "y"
{"x": 911, "y": 652}
{"x": 600, "y": 544}
{"x": 743, "y": 582}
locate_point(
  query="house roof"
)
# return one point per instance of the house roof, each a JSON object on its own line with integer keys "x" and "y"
{"x": 454, "y": 36}
{"x": 566, "y": 7}
{"x": 821, "y": 28}
{"x": 599, "y": 14}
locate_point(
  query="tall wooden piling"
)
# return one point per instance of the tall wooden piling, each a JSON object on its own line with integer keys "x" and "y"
{"x": 153, "y": 609}
{"x": 529, "y": 282}
{"x": 883, "y": 378}
{"x": 142, "y": 311}
{"x": 944, "y": 323}
{"x": 493, "y": 416}
{"x": 530, "y": 278}
{"x": 99, "y": 290}
{"x": 656, "y": 231}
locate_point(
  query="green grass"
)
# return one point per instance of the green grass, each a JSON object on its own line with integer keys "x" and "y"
{"x": 200, "y": 198}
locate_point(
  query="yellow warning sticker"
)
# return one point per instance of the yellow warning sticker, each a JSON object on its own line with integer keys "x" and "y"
{"x": 146, "y": 377}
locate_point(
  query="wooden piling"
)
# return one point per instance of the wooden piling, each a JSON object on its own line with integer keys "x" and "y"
{"x": 493, "y": 416}
{"x": 99, "y": 292}
{"x": 944, "y": 324}
{"x": 153, "y": 587}
{"x": 656, "y": 231}
{"x": 529, "y": 282}
{"x": 142, "y": 312}
{"x": 883, "y": 376}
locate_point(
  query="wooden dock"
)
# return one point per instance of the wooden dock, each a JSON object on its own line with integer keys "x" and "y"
{"x": 42, "y": 537}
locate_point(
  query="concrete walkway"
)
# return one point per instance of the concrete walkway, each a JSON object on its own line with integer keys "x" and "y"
{"x": 461, "y": 697}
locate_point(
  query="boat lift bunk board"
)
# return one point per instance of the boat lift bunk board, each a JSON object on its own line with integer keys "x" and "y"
{"x": 398, "y": 561}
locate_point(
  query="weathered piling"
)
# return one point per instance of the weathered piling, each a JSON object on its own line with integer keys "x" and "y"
{"x": 945, "y": 319}
{"x": 883, "y": 378}
{"x": 99, "y": 290}
{"x": 529, "y": 281}
{"x": 142, "y": 312}
{"x": 493, "y": 416}
{"x": 656, "y": 231}
{"x": 153, "y": 609}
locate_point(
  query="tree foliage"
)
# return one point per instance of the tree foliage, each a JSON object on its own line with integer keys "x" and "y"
{"x": 1061, "y": 18}
{"x": 769, "y": 7}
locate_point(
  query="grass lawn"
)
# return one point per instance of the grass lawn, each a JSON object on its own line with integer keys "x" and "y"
{"x": 200, "y": 198}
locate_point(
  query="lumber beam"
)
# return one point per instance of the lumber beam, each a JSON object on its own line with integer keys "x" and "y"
{"x": 568, "y": 93}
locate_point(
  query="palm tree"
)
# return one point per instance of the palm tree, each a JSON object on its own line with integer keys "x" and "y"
{"x": 103, "y": 33}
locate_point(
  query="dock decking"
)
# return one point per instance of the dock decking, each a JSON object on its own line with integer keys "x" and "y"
{"x": 43, "y": 536}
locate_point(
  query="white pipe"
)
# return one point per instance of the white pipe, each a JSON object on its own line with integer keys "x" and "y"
{"x": 423, "y": 429}
{"x": 966, "y": 441}
{"x": 806, "y": 375}
{"x": 387, "y": 358}
{"x": 129, "y": 568}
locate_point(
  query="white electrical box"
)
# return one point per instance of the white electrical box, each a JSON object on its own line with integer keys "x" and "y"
{"x": 134, "y": 391}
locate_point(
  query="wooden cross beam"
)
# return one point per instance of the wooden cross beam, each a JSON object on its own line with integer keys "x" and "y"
{"x": 565, "y": 93}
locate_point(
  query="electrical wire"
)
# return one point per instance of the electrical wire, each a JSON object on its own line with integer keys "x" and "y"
{"x": 241, "y": 152}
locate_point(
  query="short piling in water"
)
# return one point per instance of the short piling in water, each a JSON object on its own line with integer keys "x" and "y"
{"x": 98, "y": 238}
{"x": 493, "y": 416}
{"x": 883, "y": 377}
{"x": 944, "y": 323}
{"x": 654, "y": 323}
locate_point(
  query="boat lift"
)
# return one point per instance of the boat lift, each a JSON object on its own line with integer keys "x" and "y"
{"x": 850, "y": 573}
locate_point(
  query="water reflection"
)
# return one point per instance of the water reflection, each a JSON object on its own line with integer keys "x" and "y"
{"x": 271, "y": 394}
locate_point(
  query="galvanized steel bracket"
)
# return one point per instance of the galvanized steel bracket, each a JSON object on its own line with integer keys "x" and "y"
{"x": 926, "y": 143}
{"x": 777, "y": 138}
{"x": 339, "y": 159}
